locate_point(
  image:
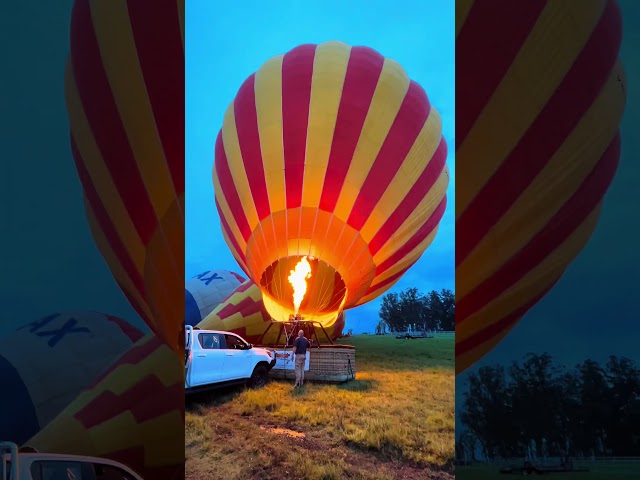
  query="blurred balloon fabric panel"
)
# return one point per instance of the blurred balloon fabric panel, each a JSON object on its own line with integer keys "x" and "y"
{"x": 81, "y": 382}
{"x": 540, "y": 92}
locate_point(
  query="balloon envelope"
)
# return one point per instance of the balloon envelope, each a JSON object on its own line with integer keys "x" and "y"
{"x": 330, "y": 152}
{"x": 124, "y": 89}
{"x": 205, "y": 291}
{"x": 537, "y": 142}
{"x": 45, "y": 364}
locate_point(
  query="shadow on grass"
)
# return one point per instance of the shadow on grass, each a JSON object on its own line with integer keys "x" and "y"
{"x": 359, "y": 385}
{"x": 211, "y": 398}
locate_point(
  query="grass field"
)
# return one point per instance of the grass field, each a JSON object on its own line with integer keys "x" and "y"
{"x": 394, "y": 421}
{"x": 621, "y": 471}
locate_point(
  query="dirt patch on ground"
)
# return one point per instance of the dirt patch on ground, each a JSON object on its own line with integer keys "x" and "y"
{"x": 283, "y": 431}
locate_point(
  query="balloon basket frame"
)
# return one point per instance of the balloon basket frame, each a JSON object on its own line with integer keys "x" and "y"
{"x": 328, "y": 362}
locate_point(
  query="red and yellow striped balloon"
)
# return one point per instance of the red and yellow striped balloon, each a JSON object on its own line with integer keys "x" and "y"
{"x": 332, "y": 152}
{"x": 133, "y": 414}
{"x": 124, "y": 90}
{"x": 538, "y": 104}
{"x": 244, "y": 313}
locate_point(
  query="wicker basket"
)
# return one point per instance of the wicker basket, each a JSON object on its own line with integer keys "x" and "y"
{"x": 327, "y": 363}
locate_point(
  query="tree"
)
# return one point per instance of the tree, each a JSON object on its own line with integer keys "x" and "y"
{"x": 412, "y": 310}
{"x": 588, "y": 410}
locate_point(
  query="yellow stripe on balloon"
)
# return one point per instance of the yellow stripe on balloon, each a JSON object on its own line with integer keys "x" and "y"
{"x": 236, "y": 166}
{"x": 463, "y": 7}
{"x": 118, "y": 270}
{"x": 329, "y": 70}
{"x": 122, "y": 67}
{"x": 551, "y": 189}
{"x": 268, "y": 93}
{"x": 408, "y": 259}
{"x": 100, "y": 176}
{"x": 378, "y": 292}
{"x": 416, "y": 161}
{"x": 561, "y": 29}
{"x": 415, "y": 221}
{"x": 389, "y": 94}
{"x": 533, "y": 283}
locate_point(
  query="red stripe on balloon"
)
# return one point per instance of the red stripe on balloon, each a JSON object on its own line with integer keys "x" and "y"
{"x": 389, "y": 280}
{"x": 572, "y": 214}
{"x": 229, "y": 190}
{"x": 417, "y": 193}
{"x": 246, "y": 117}
{"x": 246, "y": 285}
{"x": 363, "y": 71}
{"x": 496, "y": 328}
{"x": 104, "y": 119}
{"x": 414, "y": 241}
{"x": 402, "y": 135}
{"x": 227, "y": 230}
{"x": 297, "y": 73}
{"x": 159, "y": 44}
{"x": 484, "y": 54}
{"x": 108, "y": 230}
{"x": 567, "y": 106}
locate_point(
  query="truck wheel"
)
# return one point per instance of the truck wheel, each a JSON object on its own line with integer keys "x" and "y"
{"x": 259, "y": 377}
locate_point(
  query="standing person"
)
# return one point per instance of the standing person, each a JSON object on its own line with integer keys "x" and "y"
{"x": 300, "y": 346}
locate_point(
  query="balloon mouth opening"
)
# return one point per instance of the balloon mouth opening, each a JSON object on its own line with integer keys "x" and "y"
{"x": 304, "y": 286}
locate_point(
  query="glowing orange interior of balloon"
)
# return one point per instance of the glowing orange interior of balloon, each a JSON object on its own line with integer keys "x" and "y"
{"x": 321, "y": 291}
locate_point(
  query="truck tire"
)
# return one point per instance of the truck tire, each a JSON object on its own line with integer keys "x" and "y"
{"x": 259, "y": 377}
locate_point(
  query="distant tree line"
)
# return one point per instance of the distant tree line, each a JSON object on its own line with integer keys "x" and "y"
{"x": 410, "y": 310}
{"x": 590, "y": 410}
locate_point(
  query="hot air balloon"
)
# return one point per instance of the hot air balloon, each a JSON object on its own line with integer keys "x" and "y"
{"x": 329, "y": 159}
{"x": 133, "y": 414}
{"x": 206, "y": 291}
{"x": 538, "y": 144}
{"x": 124, "y": 89}
{"x": 244, "y": 313}
{"x": 46, "y": 363}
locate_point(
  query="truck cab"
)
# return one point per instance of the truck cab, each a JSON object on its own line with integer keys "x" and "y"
{"x": 32, "y": 465}
{"x": 216, "y": 358}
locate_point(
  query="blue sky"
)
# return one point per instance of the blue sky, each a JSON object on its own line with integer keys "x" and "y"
{"x": 593, "y": 312}
{"x": 225, "y": 46}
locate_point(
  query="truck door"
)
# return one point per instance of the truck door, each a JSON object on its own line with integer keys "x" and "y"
{"x": 237, "y": 358}
{"x": 208, "y": 359}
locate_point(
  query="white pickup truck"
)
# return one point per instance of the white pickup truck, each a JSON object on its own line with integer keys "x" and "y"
{"x": 216, "y": 359}
{"x": 32, "y": 465}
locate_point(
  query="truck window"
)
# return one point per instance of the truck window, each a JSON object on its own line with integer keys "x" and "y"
{"x": 109, "y": 472}
{"x": 56, "y": 470}
{"x": 209, "y": 341}
{"x": 234, "y": 342}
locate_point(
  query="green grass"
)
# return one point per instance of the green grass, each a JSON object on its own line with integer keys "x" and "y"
{"x": 395, "y": 420}
{"x": 621, "y": 471}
